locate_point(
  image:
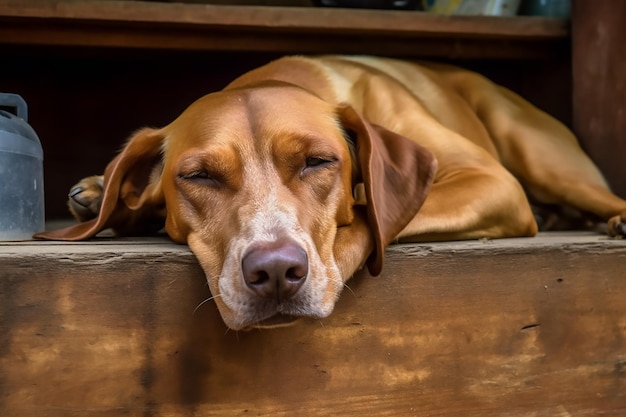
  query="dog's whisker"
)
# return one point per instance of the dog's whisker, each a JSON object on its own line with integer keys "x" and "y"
{"x": 349, "y": 289}
{"x": 228, "y": 329}
{"x": 204, "y": 302}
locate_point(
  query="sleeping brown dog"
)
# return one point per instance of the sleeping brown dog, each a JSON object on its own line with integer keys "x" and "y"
{"x": 301, "y": 172}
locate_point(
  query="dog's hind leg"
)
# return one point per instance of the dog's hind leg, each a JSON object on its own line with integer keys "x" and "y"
{"x": 545, "y": 155}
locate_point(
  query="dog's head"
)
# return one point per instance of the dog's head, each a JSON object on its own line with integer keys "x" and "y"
{"x": 280, "y": 195}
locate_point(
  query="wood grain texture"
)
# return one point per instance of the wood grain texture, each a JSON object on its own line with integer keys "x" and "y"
{"x": 277, "y": 29}
{"x": 529, "y": 327}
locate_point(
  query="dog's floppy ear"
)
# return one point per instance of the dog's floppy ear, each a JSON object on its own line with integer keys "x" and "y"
{"x": 132, "y": 195}
{"x": 396, "y": 173}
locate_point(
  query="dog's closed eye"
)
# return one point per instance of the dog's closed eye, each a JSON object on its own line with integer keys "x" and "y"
{"x": 316, "y": 161}
{"x": 201, "y": 177}
{"x": 315, "y": 165}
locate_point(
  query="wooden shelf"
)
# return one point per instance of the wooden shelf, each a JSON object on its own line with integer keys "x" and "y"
{"x": 136, "y": 24}
{"x": 513, "y": 327}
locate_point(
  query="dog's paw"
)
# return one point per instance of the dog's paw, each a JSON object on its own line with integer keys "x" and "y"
{"x": 85, "y": 198}
{"x": 617, "y": 225}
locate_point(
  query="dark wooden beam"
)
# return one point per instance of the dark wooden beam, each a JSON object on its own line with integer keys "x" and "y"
{"x": 599, "y": 75}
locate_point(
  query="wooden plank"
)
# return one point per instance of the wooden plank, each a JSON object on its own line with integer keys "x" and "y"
{"x": 520, "y": 327}
{"x": 276, "y": 29}
{"x": 285, "y": 43}
{"x": 599, "y": 65}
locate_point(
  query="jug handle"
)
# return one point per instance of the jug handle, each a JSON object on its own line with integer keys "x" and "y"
{"x": 15, "y": 101}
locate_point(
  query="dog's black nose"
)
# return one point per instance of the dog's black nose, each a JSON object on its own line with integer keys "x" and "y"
{"x": 275, "y": 269}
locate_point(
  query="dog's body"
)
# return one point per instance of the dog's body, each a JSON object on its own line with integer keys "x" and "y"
{"x": 300, "y": 172}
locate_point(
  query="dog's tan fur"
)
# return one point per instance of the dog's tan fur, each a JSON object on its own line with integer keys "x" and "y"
{"x": 340, "y": 156}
